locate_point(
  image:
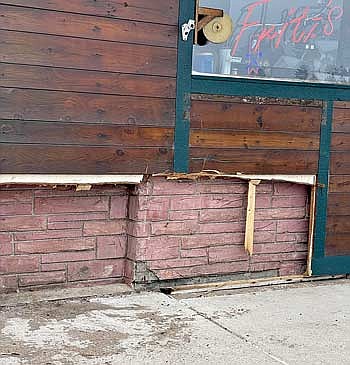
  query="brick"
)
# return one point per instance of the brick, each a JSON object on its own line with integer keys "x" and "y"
{"x": 265, "y": 187}
{"x": 164, "y": 187}
{"x": 274, "y": 248}
{"x": 183, "y": 215}
{"x": 8, "y": 283}
{"x": 203, "y": 270}
{"x": 6, "y": 247}
{"x": 264, "y": 266}
{"x": 223, "y": 188}
{"x": 292, "y": 268}
{"x": 289, "y": 189}
{"x": 196, "y": 252}
{"x": 52, "y": 246}
{"x": 292, "y": 226}
{"x": 186, "y": 203}
{"x": 18, "y": 264}
{"x": 138, "y": 229}
{"x": 46, "y": 235}
{"x": 111, "y": 227}
{"x": 53, "y": 267}
{"x": 220, "y": 215}
{"x": 102, "y": 269}
{"x": 174, "y": 228}
{"x": 206, "y": 240}
{"x": 158, "y": 248}
{"x": 265, "y": 225}
{"x": 287, "y": 256}
{"x": 77, "y": 217}
{"x": 68, "y": 256}
{"x": 14, "y": 196}
{"x": 263, "y": 201}
{"x": 22, "y": 223}
{"x": 15, "y": 209}
{"x": 264, "y": 237}
{"x": 118, "y": 207}
{"x": 129, "y": 270}
{"x": 43, "y": 278}
{"x": 292, "y": 237}
{"x": 65, "y": 225}
{"x": 280, "y": 213}
{"x": 177, "y": 263}
{"x": 110, "y": 247}
{"x": 227, "y": 254}
{"x": 289, "y": 201}
{"x": 230, "y": 227}
{"x": 222, "y": 201}
{"x": 70, "y": 205}
{"x": 132, "y": 244}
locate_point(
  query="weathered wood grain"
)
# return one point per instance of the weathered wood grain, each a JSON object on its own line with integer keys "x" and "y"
{"x": 46, "y": 159}
{"x": 91, "y": 27}
{"x": 157, "y": 11}
{"x": 253, "y": 140}
{"x": 58, "y": 133}
{"x": 339, "y": 184}
{"x": 340, "y": 163}
{"x": 338, "y": 224}
{"x": 338, "y": 204}
{"x": 247, "y": 116}
{"x": 254, "y": 161}
{"x": 50, "y": 78}
{"x": 57, "y": 51}
{"x": 338, "y": 244}
{"x": 341, "y": 120}
{"x": 91, "y": 108}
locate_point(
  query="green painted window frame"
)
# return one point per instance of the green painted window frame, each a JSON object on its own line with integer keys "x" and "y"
{"x": 188, "y": 84}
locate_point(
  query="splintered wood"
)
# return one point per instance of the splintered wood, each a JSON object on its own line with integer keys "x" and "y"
{"x": 249, "y": 228}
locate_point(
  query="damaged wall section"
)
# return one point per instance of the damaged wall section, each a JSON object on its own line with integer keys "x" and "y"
{"x": 153, "y": 234}
{"x": 195, "y": 230}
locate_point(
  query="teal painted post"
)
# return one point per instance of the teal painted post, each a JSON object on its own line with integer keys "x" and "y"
{"x": 323, "y": 181}
{"x": 183, "y": 92}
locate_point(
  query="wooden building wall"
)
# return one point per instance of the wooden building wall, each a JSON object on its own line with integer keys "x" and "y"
{"x": 338, "y": 220}
{"x": 87, "y": 87}
{"x": 254, "y": 136}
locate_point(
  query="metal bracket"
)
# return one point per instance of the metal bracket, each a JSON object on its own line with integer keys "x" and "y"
{"x": 186, "y": 29}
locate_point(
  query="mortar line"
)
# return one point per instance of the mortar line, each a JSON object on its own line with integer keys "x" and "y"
{"x": 235, "y": 334}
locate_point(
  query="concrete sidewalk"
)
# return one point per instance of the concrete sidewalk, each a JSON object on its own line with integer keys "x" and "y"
{"x": 307, "y": 323}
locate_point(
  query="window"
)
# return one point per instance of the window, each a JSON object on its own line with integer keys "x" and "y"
{"x": 303, "y": 40}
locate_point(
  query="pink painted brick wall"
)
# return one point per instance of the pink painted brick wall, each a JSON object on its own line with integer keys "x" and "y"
{"x": 159, "y": 230}
{"x": 62, "y": 237}
{"x": 185, "y": 230}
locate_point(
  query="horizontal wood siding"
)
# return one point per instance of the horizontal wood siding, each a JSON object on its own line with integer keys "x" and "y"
{"x": 87, "y": 86}
{"x": 249, "y": 137}
{"x": 338, "y": 220}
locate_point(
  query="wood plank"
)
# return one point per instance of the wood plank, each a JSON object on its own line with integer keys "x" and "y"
{"x": 340, "y": 163}
{"x": 84, "y": 26}
{"x": 250, "y": 218}
{"x": 342, "y": 104}
{"x": 337, "y": 244}
{"x": 339, "y": 184}
{"x": 341, "y": 120}
{"x": 254, "y": 161}
{"x": 56, "y": 51}
{"x": 41, "y": 159}
{"x": 157, "y": 11}
{"x": 338, "y": 223}
{"x": 225, "y": 115}
{"x": 338, "y": 204}
{"x": 83, "y": 134}
{"x": 340, "y": 142}
{"x": 49, "y": 78}
{"x": 253, "y": 140}
{"x": 91, "y": 108}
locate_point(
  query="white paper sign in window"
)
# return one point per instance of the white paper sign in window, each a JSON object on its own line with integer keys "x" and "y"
{"x": 304, "y": 40}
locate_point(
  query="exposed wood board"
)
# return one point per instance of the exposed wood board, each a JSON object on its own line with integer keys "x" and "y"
{"x": 311, "y": 230}
{"x": 81, "y": 180}
{"x": 249, "y": 230}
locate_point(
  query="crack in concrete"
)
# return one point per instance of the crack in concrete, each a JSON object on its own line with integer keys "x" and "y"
{"x": 233, "y": 333}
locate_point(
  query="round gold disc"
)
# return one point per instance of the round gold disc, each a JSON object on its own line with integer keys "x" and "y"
{"x": 219, "y": 29}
